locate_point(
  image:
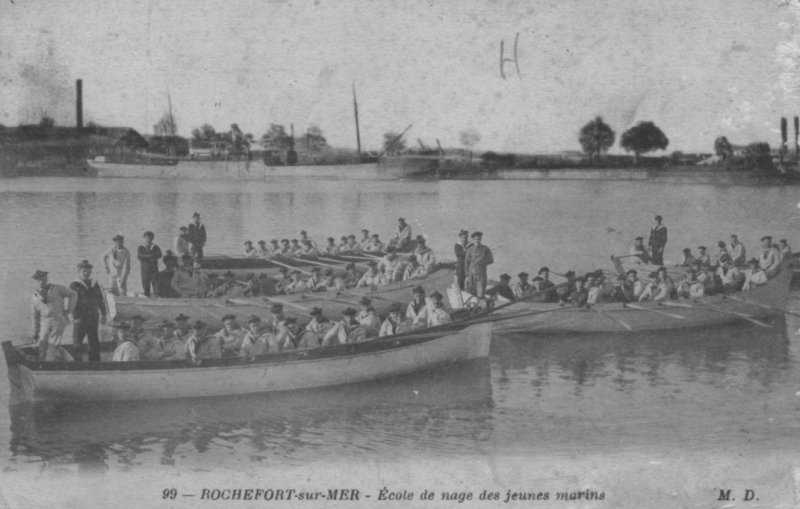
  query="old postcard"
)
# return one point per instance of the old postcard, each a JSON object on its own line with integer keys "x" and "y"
{"x": 428, "y": 254}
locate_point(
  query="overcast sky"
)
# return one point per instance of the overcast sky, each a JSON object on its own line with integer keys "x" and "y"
{"x": 696, "y": 68}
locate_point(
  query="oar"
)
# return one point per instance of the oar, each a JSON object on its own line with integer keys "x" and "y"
{"x": 291, "y": 267}
{"x": 764, "y": 306}
{"x": 354, "y": 296}
{"x": 641, "y": 308}
{"x": 287, "y": 303}
{"x": 354, "y": 258}
{"x": 320, "y": 264}
{"x": 614, "y": 319}
{"x": 718, "y": 310}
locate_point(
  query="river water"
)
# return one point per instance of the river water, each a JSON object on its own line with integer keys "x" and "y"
{"x": 651, "y": 419}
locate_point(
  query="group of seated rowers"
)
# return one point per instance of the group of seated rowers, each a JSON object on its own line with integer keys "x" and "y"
{"x": 401, "y": 239}
{"x": 179, "y": 340}
{"x": 699, "y": 277}
{"x": 190, "y": 280}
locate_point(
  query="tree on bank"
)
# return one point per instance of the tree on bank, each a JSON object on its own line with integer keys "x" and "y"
{"x": 596, "y": 138}
{"x": 723, "y": 148}
{"x": 643, "y": 137}
{"x": 204, "y": 134}
{"x": 393, "y": 143}
{"x": 315, "y": 141}
{"x": 277, "y": 139}
{"x": 758, "y": 155}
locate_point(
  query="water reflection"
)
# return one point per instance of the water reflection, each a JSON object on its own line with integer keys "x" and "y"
{"x": 441, "y": 410}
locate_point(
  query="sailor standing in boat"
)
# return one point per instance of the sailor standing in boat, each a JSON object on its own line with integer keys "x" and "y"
{"x": 657, "y": 241}
{"x": 477, "y": 259}
{"x": 148, "y": 255}
{"x": 90, "y": 312}
{"x": 197, "y": 236}
{"x": 402, "y": 237}
{"x": 182, "y": 245}
{"x": 461, "y": 253}
{"x": 52, "y": 305}
{"x": 117, "y": 262}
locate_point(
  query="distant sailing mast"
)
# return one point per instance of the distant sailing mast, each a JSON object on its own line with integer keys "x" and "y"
{"x": 355, "y": 111}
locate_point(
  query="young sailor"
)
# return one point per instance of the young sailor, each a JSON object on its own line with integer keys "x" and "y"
{"x": 546, "y": 286}
{"x": 460, "y": 250}
{"x": 579, "y": 296}
{"x": 331, "y": 248}
{"x": 287, "y": 336}
{"x": 417, "y": 309}
{"x": 730, "y": 276}
{"x": 662, "y": 288}
{"x": 194, "y": 343}
{"x": 296, "y": 283}
{"x": 687, "y": 258}
{"x": 305, "y": 238}
{"x": 502, "y": 289}
{"x": 594, "y": 289}
{"x": 182, "y": 328}
{"x": 639, "y": 250}
{"x": 437, "y": 314}
{"x": 353, "y": 247}
{"x": 229, "y": 336}
{"x": 346, "y": 330}
{"x": 127, "y": 349}
{"x": 390, "y": 266}
{"x": 365, "y": 239}
{"x": 722, "y": 251}
{"x": 372, "y": 277}
{"x": 402, "y": 237}
{"x": 477, "y": 259}
{"x": 307, "y": 248}
{"x": 375, "y": 245}
{"x": 254, "y": 341}
{"x": 274, "y": 247}
{"x": 286, "y": 248}
{"x": 315, "y": 283}
{"x": 632, "y": 287}
{"x": 702, "y": 256}
{"x": 413, "y": 269}
{"x": 736, "y": 251}
{"x": 164, "y": 279}
{"x": 754, "y": 275}
{"x": 368, "y": 317}
{"x": 657, "y": 241}
{"x": 424, "y": 254}
{"x": 315, "y": 329}
{"x": 148, "y": 255}
{"x": 181, "y": 244}
{"x": 342, "y": 247}
{"x": 90, "y": 311}
{"x": 769, "y": 260}
{"x": 52, "y": 306}
{"x": 277, "y": 316}
{"x": 117, "y": 262}
{"x": 297, "y": 249}
{"x": 522, "y": 288}
{"x": 249, "y": 251}
{"x": 784, "y": 249}
{"x": 164, "y": 345}
{"x": 196, "y": 234}
{"x": 392, "y": 324}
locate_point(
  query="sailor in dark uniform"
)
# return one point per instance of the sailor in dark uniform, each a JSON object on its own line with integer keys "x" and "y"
{"x": 197, "y": 236}
{"x": 657, "y": 242}
{"x": 461, "y": 254}
{"x": 90, "y": 311}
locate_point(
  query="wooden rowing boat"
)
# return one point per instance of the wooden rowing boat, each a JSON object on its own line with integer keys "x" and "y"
{"x": 321, "y": 367}
{"x": 760, "y": 303}
{"x": 298, "y": 305}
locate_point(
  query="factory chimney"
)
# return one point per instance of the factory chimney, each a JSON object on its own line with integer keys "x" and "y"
{"x": 79, "y": 104}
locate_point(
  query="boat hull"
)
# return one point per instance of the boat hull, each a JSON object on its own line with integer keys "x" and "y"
{"x": 248, "y": 170}
{"x": 763, "y": 302}
{"x": 331, "y": 366}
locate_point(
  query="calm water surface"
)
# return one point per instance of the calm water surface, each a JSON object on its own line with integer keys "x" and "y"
{"x": 681, "y": 391}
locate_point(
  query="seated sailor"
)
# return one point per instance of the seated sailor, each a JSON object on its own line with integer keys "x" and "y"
{"x": 502, "y": 291}
{"x": 229, "y": 336}
{"x": 390, "y": 266}
{"x": 702, "y": 256}
{"x": 249, "y": 251}
{"x": 522, "y": 288}
{"x": 393, "y": 323}
{"x": 730, "y": 276}
{"x": 687, "y": 258}
{"x": 194, "y": 343}
{"x": 263, "y": 251}
{"x": 424, "y": 254}
{"x": 375, "y": 245}
{"x": 417, "y": 310}
{"x": 413, "y": 269}
{"x": 254, "y": 341}
{"x": 315, "y": 329}
{"x": 402, "y": 236}
{"x": 372, "y": 277}
{"x": 127, "y": 349}
{"x": 754, "y": 275}
{"x": 437, "y": 314}
{"x": 331, "y": 248}
{"x": 368, "y": 317}
{"x": 578, "y": 295}
{"x": 347, "y": 330}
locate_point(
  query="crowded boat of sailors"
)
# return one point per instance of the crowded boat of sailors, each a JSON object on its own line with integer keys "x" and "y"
{"x": 698, "y": 274}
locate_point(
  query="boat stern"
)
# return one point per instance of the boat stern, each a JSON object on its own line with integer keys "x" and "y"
{"x": 19, "y": 376}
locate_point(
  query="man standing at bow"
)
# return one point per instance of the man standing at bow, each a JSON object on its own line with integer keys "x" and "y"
{"x": 461, "y": 254}
{"x": 197, "y": 236}
{"x": 657, "y": 241}
{"x": 117, "y": 262}
{"x": 402, "y": 237}
{"x": 52, "y": 305}
{"x": 477, "y": 259}
{"x": 148, "y": 255}
{"x": 90, "y": 311}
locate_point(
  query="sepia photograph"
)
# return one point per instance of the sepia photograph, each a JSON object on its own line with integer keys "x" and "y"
{"x": 400, "y": 254}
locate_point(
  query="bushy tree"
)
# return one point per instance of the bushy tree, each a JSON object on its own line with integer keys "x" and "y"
{"x": 276, "y": 138}
{"x": 316, "y": 141}
{"x": 723, "y": 148}
{"x": 758, "y": 155}
{"x": 596, "y": 137}
{"x": 393, "y": 143}
{"x": 46, "y": 122}
{"x": 644, "y": 137}
{"x": 205, "y": 132}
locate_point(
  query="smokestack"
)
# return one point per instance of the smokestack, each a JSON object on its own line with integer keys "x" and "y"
{"x": 79, "y": 104}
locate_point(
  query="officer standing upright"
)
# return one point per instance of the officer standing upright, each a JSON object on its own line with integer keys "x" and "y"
{"x": 197, "y": 236}
{"x": 658, "y": 241}
{"x": 148, "y": 255}
{"x": 90, "y": 312}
